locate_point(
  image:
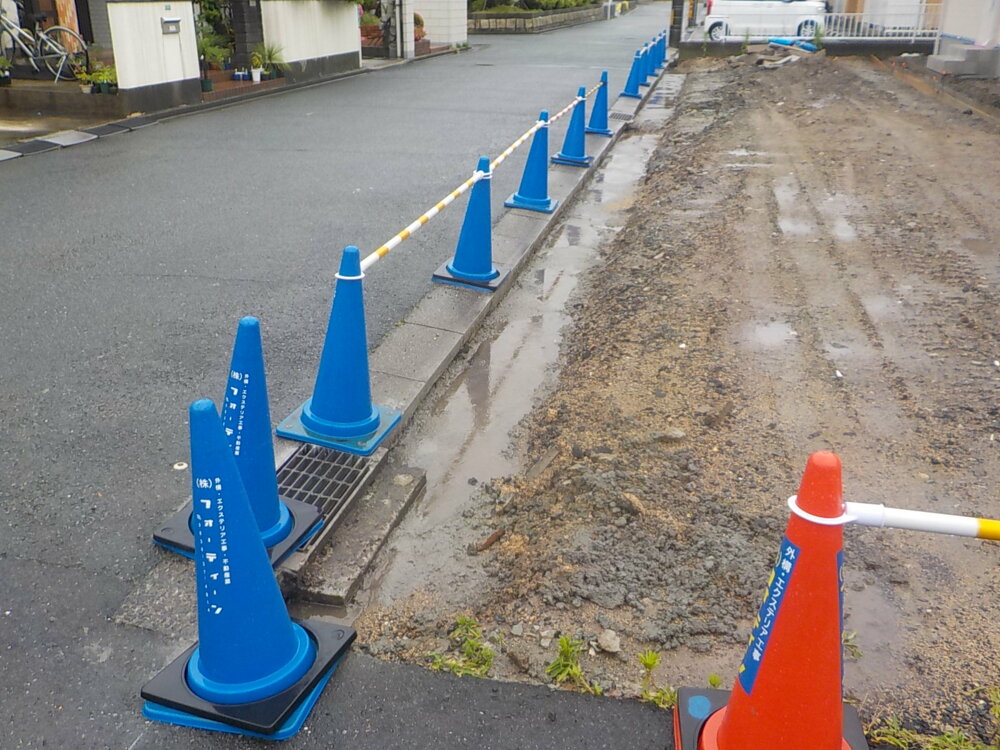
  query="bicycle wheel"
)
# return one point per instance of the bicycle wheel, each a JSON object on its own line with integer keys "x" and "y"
{"x": 64, "y": 52}
{"x": 8, "y": 47}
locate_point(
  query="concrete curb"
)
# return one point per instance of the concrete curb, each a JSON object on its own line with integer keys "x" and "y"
{"x": 412, "y": 356}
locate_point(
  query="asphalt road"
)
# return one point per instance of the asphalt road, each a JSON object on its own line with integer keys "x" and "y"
{"x": 127, "y": 264}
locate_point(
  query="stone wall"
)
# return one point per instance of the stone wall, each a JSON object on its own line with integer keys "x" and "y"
{"x": 534, "y": 21}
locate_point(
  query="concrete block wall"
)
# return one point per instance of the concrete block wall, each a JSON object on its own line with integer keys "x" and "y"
{"x": 144, "y": 55}
{"x": 306, "y": 29}
{"x": 316, "y": 37}
{"x": 446, "y": 21}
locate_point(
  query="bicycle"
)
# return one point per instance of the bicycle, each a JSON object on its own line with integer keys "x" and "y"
{"x": 61, "y": 50}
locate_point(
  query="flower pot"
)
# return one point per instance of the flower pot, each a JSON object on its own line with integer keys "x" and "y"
{"x": 255, "y": 74}
{"x": 105, "y": 87}
{"x": 5, "y": 79}
{"x": 206, "y": 84}
{"x": 87, "y": 88}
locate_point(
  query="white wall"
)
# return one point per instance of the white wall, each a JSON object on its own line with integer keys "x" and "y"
{"x": 10, "y": 9}
{"x": 893, "y": 13}
{"x": 144, "y": 55}
{"x": 306, "y": 29}
{"x": 445, "y": 21}
{"x": 978, "y": 20}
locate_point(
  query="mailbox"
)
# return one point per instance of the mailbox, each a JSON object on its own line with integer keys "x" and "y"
{"x": 170, "y": 25}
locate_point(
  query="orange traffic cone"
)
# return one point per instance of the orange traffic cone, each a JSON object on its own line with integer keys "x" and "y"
{"x": 788, "y": 692}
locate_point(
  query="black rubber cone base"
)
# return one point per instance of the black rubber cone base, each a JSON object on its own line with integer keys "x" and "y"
{"x": 169, "y": 688}
{"x": 176, "y": 535}
{"x": 695, "y": 705}
{"x": 444, "y": 276}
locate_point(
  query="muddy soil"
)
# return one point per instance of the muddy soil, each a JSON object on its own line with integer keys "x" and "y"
{"x": 812, "y": 263}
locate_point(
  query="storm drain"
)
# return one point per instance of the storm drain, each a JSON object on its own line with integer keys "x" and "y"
{"x": 326, "y": 478}
{"x": 621, "y": 116}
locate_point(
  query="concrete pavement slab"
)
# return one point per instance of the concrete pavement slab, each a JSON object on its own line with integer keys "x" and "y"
{"x": 6, "y": 154}
{"x": 70, "y": 137}
{"x": 36, "y": 146}
{"x": 416, "y": 352}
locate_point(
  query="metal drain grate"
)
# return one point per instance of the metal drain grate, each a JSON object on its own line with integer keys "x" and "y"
{"x": 621, "y": 116}
{"x": 326, "y": 478}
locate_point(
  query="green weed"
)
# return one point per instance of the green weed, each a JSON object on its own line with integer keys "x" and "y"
{"x": 893, "y": 734}
{"x": 662, "y": 697}
{"x": 953, "y": 740}
{"x": 714, "y": 681}
{"x": 847, "y": 640}
{"x": 566, "y": 667}
{"x": 474, "y": 657}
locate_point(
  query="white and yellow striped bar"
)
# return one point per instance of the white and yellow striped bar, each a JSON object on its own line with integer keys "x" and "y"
{"x": 384, "y": 250}
{"x": 870, "y": 514}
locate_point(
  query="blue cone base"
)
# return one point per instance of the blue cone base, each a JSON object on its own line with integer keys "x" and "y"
{"x": 175, "y": 535}
{"x": 695, "y": 705}
{"x": 545, "y": 205}
{"x": 170, "y": 700}
{"x": 291, "y": 427}
{"x": 630, "y": 96}
{"x": 444, "y": 276}
{"x": 598, "y": 131}
{"x": 572, "y": 161}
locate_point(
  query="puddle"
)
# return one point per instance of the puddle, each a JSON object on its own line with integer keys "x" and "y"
{"x": 463, "y": 439}
{"x": 834, "y": 209}
{"x": 874, "y": 618}
{"x": 881, "y": 308}
{"x": 980, "y": 246}
{"x": 769, "y": 335}
{"x": 791, "y": 212}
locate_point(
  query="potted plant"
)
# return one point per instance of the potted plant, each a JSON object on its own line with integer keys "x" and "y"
{"x": 212, "y": 53}
{"x": 256, "y": 66}
{"x": 271, "y": 60}
{"x": 86, "y": 79}
{"x": 421, "y": 45}
{"x": 105, "y": 77}
{"x": 4, "y": 71}
{"x": 371, "y": 29}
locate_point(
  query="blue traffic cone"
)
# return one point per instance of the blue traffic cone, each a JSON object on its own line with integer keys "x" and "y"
{"x": 659, "y": 46}
{"x": 472, "y": 265}
{"x": 340, "y": 414}
{"x": 598, "y": 124}
{"x": 573, "y": 152}
{"x": 646, "y": 69}
{"x": 634, "y": 74}
{"x": 534, "y": 191}
{"x": 284, "y": 525}
{"x": 253, "y": 671}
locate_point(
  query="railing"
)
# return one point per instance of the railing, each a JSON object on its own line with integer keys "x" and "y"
{"x": 917, "y": 21}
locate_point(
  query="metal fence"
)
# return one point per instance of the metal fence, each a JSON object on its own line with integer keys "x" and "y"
{"x": 917, "y": 20}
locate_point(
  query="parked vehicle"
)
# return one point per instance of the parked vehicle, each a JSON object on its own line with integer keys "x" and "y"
{"x": 756, "y": 18}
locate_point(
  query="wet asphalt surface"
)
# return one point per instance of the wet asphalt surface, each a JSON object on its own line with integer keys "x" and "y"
{"x": 127, "y": 263}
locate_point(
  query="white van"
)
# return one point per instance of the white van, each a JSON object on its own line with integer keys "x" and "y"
{"x": 757, "y": 18}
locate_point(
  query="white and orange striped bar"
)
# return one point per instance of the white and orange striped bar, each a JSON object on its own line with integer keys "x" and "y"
{"x": 384, "y": 250}
{"x": 870, "y": 514}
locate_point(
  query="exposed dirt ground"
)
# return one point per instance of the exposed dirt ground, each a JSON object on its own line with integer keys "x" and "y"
{"x": 812, "y": 263}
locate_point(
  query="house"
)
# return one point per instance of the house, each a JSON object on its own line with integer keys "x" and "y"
{"x": 154, "y": 45}
{"x": 969, "y": 43}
